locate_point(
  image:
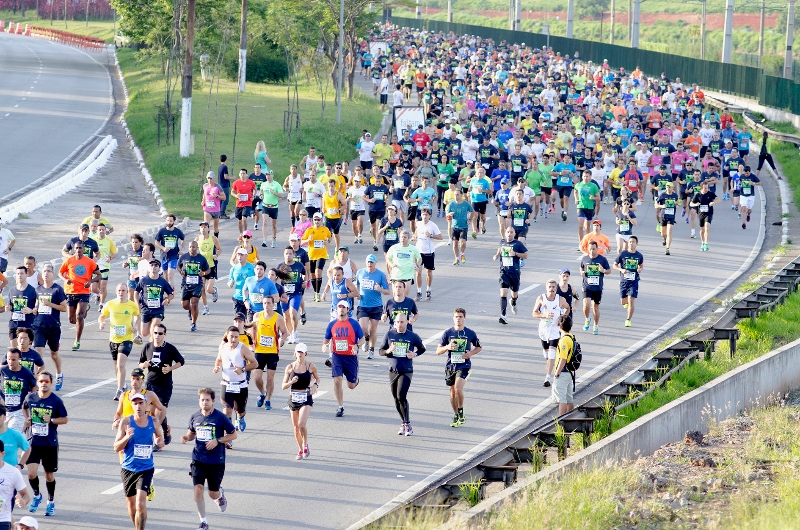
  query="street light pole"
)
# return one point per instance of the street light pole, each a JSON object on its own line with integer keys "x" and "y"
{"x": 186, "y": 85}
{"x": 339, "y": 61}
{"x": 787, "y": 60}
{"x": 243, "y": 48}
{"x": 761, "y": 34}
{"x": 613, "y": 9}
{"x": 635, "y": 29}
{"x": 703, "y": 32}
{"x": 727, "y": 39}
{"x": 570, "y": 17}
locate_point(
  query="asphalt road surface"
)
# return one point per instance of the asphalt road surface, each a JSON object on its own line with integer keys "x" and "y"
{"x": 358, "y": 462}
{"x": 52, "y": 99}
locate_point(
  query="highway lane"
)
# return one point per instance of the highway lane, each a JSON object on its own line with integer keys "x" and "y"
{"x": 358, "y": 462}
{"x": 52, "y": 99}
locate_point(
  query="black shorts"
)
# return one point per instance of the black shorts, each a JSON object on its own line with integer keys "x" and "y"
{"x": 480, "y": 207}
{"x": 192, "y": 291}
{"x": 148, "y": 317}
{"x": 365, "y": 164}
{"x": 311, "y": 211}
{"x": 593, "y": 295}
{"x": 522, "y": 232}
{"x": 375, "y": 216}
{"x": 212, "y": 272}
{"x": 309, "y": 402}
{"x": 384, "y": 99}
{"x": 510, "y": 280}
{"x": 272, "y": 213}
{"x": 629, "y": 289}
{"x": 458, "y": 233}
{"x": 428, "y": 261}
{"x": 133, "y": 481}
{"x": 49, "y": 336}
{"x": 705, "y": 217}
{"x": 235, "y": 400}
{"x": 355, "y": 214}
{"x": 243, "y": 212}
{"x": 211, "y": 473}
{"x": 665, "y": 221}
{"x": 333, "y": 224}
{"x": 267, "y": 360}
{"x": 372, "y": 313}
{"x": 317, "y": 265}
{"x": 413, "y": 213}
{"x": 736, "y": 193}
{"x": 547, "y": 344}
{"x": 74, "y": 299}
{"x": 256, "y": 202}
{"x": 124, "y": 348}
{"x": 564, "y": 191}
{"x": 451, "y": 371}
{"x": 164, "y": 393}
{"x": 47, "y": 455}
{"x": 546, "y": 191}
{"x": 585, "y": 213}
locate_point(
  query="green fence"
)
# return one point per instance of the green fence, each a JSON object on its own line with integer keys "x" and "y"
{"x": 746, "y": 81}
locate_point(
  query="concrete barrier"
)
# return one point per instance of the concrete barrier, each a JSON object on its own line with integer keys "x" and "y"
{"x": 751, "y": 384}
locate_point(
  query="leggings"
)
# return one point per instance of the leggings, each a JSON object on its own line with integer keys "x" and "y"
{"x": 400, "y": 384}
{"x": 768, "y": 158}
{"x": 440, "y": 197}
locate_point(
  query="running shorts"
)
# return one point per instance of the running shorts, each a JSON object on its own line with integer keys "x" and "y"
{"x": 333, "y": 224}
{"x": 372, "y": 313}
{"x": 46, "y": 455}
{"x": 428, "y": 261}
{"x": 235, "y": 400}
{"x": 133, "y": 481}
{"x": 705, "y": 218}
{"x": 192, "y": 291}
{"x": 345, "y": 365}
{"x": 211, "y": 473}
{"x": 452, "y": 371}
{"x": 585, "y": 213}
{"x": 564, "y": 191}
{"x": 594, "y": 295}
{"x": 116, "y": 348}
{"x": 267, "y": 360}
{"x": 509, "y": 280}
{"x": 47, "y": 335}
{"x": 629, "y": 288}
{"x": 457, "y": 234}
{"x": 480, "y": 207}
{"x": 74, "y": 299}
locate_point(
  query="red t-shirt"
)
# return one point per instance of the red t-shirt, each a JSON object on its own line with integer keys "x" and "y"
{"x": 79, "y": 270}
{"x": 244, "y": 191}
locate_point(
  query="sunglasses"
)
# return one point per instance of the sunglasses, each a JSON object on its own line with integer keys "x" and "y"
{"x": 159, "y": 333}
{"x": 246, "y": 237}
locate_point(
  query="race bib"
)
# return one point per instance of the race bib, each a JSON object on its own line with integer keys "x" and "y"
{"x": 210, "y": 203}
{"x": 379, "y": 195}
{"x": 153, "y": 303}
{"x": 341, "y": 346}
{"x": 143, "y": 451}
{"x": 367, "y": 284}
{"x": 508, "y": 261}
{"x": 457, "y": 357}
{"x": 319, "y": 243}
{"x": 669, "y": 211}
{"x": 40, "y": 429}
{"x": 564, "y": 180}
{"x": 400, "y": 350}
{"x": 486, "y": 165}
{"x": 192, "y": 280}
{"x": 419, "y": 149}
{"x": 244, "y": 197}
{"x": 232, "y": 387}
{"x": 120, "y": 331}
{"x": 266, "y": 341}
{"x": 289, "y": 288}
{"x": 704, "y": 208}
{"x": 332, "y": 211}
{"x": 630, "y": 275}
{"x": 294, "y": 196}
{"x": 12, "y": 400}
{"x": 356, "y": 199}
{"x": 169, "y": 244}
{"x": 299, "y": 397}
{"x": 593, "y": 280}
{"x": 18, "y": 316}
{"x": 519, "y": 221}
{"x": 204, "y": 433}
{"x": 398, "y": 183}
{"x": 624, "y": 226}
{"x": 391, "y": 236}
{"x": 744, "y": 145}
{"x": 516, "y": 169}
{"x": 256, "y": 298}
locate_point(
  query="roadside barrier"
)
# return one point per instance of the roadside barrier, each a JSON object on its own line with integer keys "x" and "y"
{"x": 64, "y": 37}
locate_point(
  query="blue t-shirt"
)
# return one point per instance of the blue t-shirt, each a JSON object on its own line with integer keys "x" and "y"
{"x": 53, "y": 294}
{"x": 13, "y": 440}
{"x": 366, "y": 282}
{"x": 424, "y": 196}
{"x": 497, "y": 176}
{"x": 171, "y": 240}
{"x": 239, "y": 273}
{"x": 460, "y": 213}
{"x": 207, "y": 428}
{"x": 564, "y": 180}
{"x": 465, "y": 340}
{"x": 475, "y": 185}
{"x": 501, "y": 198}
{"x": 257, "y": 290}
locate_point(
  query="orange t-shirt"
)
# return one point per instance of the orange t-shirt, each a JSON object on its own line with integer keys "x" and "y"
{"x": 602, "y": 243}
{"x": 244, "y": 190}
{"x": 78, "y": 271}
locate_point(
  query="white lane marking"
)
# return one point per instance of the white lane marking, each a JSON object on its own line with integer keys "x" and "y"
{"x": 315, "y": 396}
{"x": 91, "y": 387}
{"x": 8, "y": 114}
{"x": 118, "y": 487}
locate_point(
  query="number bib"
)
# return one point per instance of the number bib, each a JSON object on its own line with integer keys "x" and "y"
{"x": 210, "y": 203}
{"x": 192, "y": 280}
{"x": 593, "y": 280}
{"x": 669, "y": 211}
{"x": 379, "y": 195}
{"x": 153, "y": 303}
{"x": 44, "y": 309}
{"x": 519, "y": 221}
{"x": 704, "y": 208}
{"x": 256, "y": 298}
{"x": 267, "y": 341}
{"x": 457, "y": 357}
{"x": 624, "y": 226}
{"x": 12, "y": 400}
{"x": 391, "y": 236}
{"x": 564, "y": 181}
{"x": 18, "y": 316}
{"x": 294, "y": 196}
{"x": 203, "y": 433}
{"x": 400, "y": 350}
{"x": 340, "y": 346}
{"x": 398, "y": 183}
{"x": 508, "y": 261}
{"x": 232, "y": 387}
{"x": 243, "y": 197}
{"x": 333, "y": 211}
{"x": 630, "y": 275}
{"x": 299, "y": 397}
{"x": 368, "y": 284}
{"x": 142, "y": 451}
{"x": 289, "y": 288}
{"x": 40, "y": 429}
{"x": 170, "y": 243}
{"x": 120, "y": 331}
{"x": 319, "y": 243}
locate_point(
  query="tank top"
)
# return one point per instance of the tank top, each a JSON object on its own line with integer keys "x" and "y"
{"x": 207, "y": 249}
{"x": 303, "y": 379}
{"x": 138, "y": 454}
{"x": 548, "y": 327}
{"x": 566, "y": 294}
{"x": 331, "y": 206}
{"x": 252, "y": 256}
{"x": 33, "y": 281}
{"x": 127, "y": 408}
{"x": 266, "y": 333}
{"x": 310, "y": 163}
{"x": 295, "y": 189}
{"x": 336, "y": 290}
{"x": 232, "y": 358}
{"x": 347, "y": 267}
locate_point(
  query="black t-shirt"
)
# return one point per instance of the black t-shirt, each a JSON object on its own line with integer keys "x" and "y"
{"x": 222, "y": 170}
{"x": 28, "y": 359}
{"x": 465, "y": 340}
{"x": 16, "y": 386}
{"x": 90, "y": 247}
{"x": 44, "y": 434}
{"x": 193, "y": 267}
{"x": 47, "y": 316}
{"x": 170, "y": 239}
{"x": 407, "y": 307}
{"x": 629, "y": 261}
{"x": 152, "y": 293}
{"x": 670, "y": 202}
{"x": 159, "y": 357}
{"x": 593, "y": 278}
{"x": 403, "y": 343}
{"x": 19, "y": 299}
{"x": 706, "y": 201}
{"x": 207, "y": 428}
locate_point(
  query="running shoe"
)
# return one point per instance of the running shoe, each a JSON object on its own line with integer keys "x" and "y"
{"x": 264, "y": 243}
{"x": 50, "y": 511}
{"x": 355, "y": 241}
{"x": 118, "y": 394}
{"x": 215, "y": 295}
{"x": 306, "y": 452}
{"x": 483, "y": 229}
{"x": 243, "y": 424}
{"x": 596, "y": 330}
{"x": 35, "y": 502}
{"x": 316, "y": 297}
{"x": 748, "y": 218}
{"x": 625, "y": 306}
{"x": 222, "y": 502}
{"x": 474, "y": 235}
{"x": 100, "y": 308}
{"x": 586, "y": 325}
{"x": 261, "y": 399}
{"x": 273, "y": 241}
{"x": 203, "y": 526}
{"x": 454, "y": 423}
{"x": 76, "y": 345}
{"x": 683, "y": 213}
{"x": 409, "y": 430}
{"x": 418, "y": 298}
{"x": 503, "y": 319}
{"x": 658, "y": 226}
{"x": 693, "y": 236}
{"x": 229, "y": 445}
{"x": 360, "y": 239}
{"x": 628, "y": 323}
{"x": 744, "y": 226}
{"x": 563, "y": 215}
{"x": 428, "y": 296}
{"x": 371, "y": 353}
{"x": 666, "y": 252}
{"x": 546, "y": 382}
{"x": 340, "y": 412}
{"x": 461, "y": 419}
{"x": 300, "y": 455}
{"x": 375, "y": 246}
{"x": 402, "y": 430}
{"x": 59, "y": 381}
{"x": 687, "y": 220}
{"x": 206, "y": 310}
{"x": 521, "y": 262}
{"x": 463, "y": 258}
{"x": 255, "y": 226}
{"x": 456, "y": 262}
{"x": 303, "y": 318}
{"x": 514, "y": 308}
{"x": 151, "y": 494}
{"x": 267, "y": 406}
{"x": 194, "y": 327}
{"x": 664, "y": 243}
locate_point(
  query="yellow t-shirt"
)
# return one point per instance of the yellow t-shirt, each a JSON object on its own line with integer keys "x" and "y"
{"x": 102, "y": 220}
{"x": 341, "y": 185}
{"x": 266, "y": 333}
{"x": 121, "y": 321}
{"x": 449, "y": 195}
{"x": 564, "y": 350}
{"x": 383, "y": 152}
{"x": 615, "y": 177}
{"x": 330, "y": 206}
{"x": 316, "y": 239}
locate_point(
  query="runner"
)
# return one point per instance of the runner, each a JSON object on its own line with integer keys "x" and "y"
{"x": 334, "y": 204}
{"x": 479, "y": 187}
{"x": 12, "y": 489}
{"x": 153, "y": 295}
{"x": 704, "y": 201}
{"x": 193, "y": 267}
{"x": 258, "y": 177}
{"x": 212, "y": 201}
{"x": 460, "y": 215}
{"x": 317, "y": 238}
{"x": 461, "y": 344}
{"x": 160, "y": 359}
{"x": 257, "y": 289}
{"x": 28, "y": 358}
{"x": 234, "y": 359}
{"x": 401, "y": 346}
{"x": 244, "y": 190}
{"x": 108, "y": 251}
{"x": 520, "y": 212}
{"x": 210, "y": 249}
{"x": 511, "y": 251}
{"x": 390, "y": 228}
{"x": 427, "y": 232}
{"x": 90, "y": 247}
{"x": 78, "y": 272}
{"x": 136, "y": 436}
{"x": 403, "y": 261}
{"x": 593, "y": 267}
{"x": 375, "y": 196}
{"x": 121, "y": 311}
{"x": 97, "y": 214}
{"x": 211, "y": 430}
{"x": 132, "y": 264}
{"x": 297, "y": 377}
{"x": 629, "y": 263}
{"x": 270, "y": 334}
{"x": 170, "y": 241}
{"x": 371, "y": 283}
{"x": 626, "y": 220}
{"x": 271, "y": 193}
{"x": 747, "y": 183}
{"x": 399, "y": 303}
{"x": 564, "y": 172}
{"x": 17, "y": 382}
{"x": 343, "y": 336}
{"x": 548, "y": 309}
{"x": 294, "y": 288}
{"x": 44, "y": 412}
{"x": 565, "y": 290}
{"x": 668, "y": 202}
{"x": 355, "y": 194}
{"x": 587, "y": 197}
{"x": 595, "y": 236}
{"x": 293, "y": 186}
{"x": 21, "y": 303}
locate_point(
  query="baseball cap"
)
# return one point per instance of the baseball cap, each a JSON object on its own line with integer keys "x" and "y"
{"x": 294, "y": 237}
{"x": 638, "y": 143}
{"x": 239, "y": 316}
{"x": 247, "y": 233}
{"x": 343, "y": 303}
{"x": 155, "y": 261}
{"x": 504, "y": 180}
{"x": 210, "y": 175}
{"x": 344, "y": 248}
{"x": 317, "y": 215}
{"x": 137, "y": 396}
{"x": 29, "y": 521}
{"x": 301, "y": 346}
{"x": 84, "y": 226}
{"x": 137, "y": 372}
{"x": 597, "y": 222}
{"x": 372, "y": 258}
{"x": 562, "y": 271}
{"x": 242, "y": 251}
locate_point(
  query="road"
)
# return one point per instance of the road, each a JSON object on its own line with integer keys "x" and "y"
{"x": 52, "y": 99}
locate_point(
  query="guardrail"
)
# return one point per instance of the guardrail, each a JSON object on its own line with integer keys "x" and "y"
{"x": 503, "y": 464}
{"x": 64, "y": 37}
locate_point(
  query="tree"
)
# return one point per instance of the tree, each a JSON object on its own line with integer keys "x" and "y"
{"x": 591, "y": 8}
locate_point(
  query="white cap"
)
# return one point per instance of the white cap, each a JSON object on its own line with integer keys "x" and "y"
{"x": 343, "y": 303}
{"x": 301, "y": 346}
{"x": 294, "y": 237}
{"x": 242, "y": 251}
{"x": 29, "y": 521}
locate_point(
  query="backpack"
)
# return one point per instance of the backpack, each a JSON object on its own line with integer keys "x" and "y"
{"x": 574, "y": 361}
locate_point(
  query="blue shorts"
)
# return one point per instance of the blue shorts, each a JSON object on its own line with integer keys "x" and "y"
{"x": 564, "y": 191}
{"x": 294, "y": 302}
{"x": 585, "y": 213}
{"x": 345, "y": 365}
{"x": 373, "y": 313}
{"x": 169, "y": 264}
{"x": 132, "y": 284}
{"x": 333, "y": 224}
{"x": 629, "y": 288}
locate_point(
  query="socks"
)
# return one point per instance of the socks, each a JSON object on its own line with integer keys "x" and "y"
{"x": 503, "y": 305}
{"x": 513, "y": 301}
{"x": 34, "y": 485}
{"x": 51, "y": 489}
{"x": 201, "y": 510}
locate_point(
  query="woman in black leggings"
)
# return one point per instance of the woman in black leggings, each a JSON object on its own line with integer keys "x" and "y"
{"x": 401, "y": 346}
{"x": 764, "y": 155}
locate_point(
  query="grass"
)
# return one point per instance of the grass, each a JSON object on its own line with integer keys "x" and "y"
{"x": 261, "y": 110}
{"x": 102, "y": 29}
{"x": 786, "y": 155}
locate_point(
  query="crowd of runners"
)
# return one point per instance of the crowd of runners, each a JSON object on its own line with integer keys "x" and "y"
{"x": 526, "y": 136}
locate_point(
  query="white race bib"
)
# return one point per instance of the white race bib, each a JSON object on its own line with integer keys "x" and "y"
{"x": 40, "y": 429}
{"x": 12, "y": 400}
{"x": 508, "y": 261}
{"x": 400, "y": 350}
{"x": 289, "y": 288}
{"x": 624, "y": 226}
{"x": 367, "y": 285}
{"x": 153, "y": 303}
{"x": 519, "y": 221}
{"x": 456, "y": 357}
{"x": 391, "y": 236}
{"x": 319, "y": 243}
{"x": 669, "y": 211}
{"x": 143, "y": 451}
{"x": 17, "y": 316}
{"x": 378, "y": 195}
{"x": 244, "y": 197}
{"x": 210, "y": 203}
{"x": 593, "y": 280}
{"x": 294, "y": 196}
{"x": 256, "y": 298}
{"x": 44, "y": 309}
{"x": 398, "y": 183}
{"x": 192, "y": 280}
{"x": 203, "y": 433}
{"x": 332, "y": 211}
{"x": 120, "y": 331}
{"x": 704, "y": 208}
{"x": 341, "y": 345}
{"x": 630, "y": 275}
{"x": 299, "y": 397}
{"x": 232, "y": 387}
{"x": 267, "y": 341}
{"x": 170, "y": 243}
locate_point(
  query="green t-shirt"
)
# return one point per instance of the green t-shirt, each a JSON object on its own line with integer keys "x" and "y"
{"x": 536, "y": 178}
{"x": 583, "y": 191}
{"x": 269, "y": 191}
{"x": 403, "y": 260}
{"x": 546, "y": 169}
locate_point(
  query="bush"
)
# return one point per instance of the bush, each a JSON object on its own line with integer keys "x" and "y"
{"x": 266, "y": 63}
{"x": 772, "y": 64}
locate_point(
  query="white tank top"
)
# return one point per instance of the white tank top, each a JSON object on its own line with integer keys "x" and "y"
{"x": 295, "y": 189}
{"x": 232, "y": 358}
{"x": 548, "y": 328}
{"x": 348, "y": 270}
{"x": 311, "y": 163}
{"x": 33, "y": 281}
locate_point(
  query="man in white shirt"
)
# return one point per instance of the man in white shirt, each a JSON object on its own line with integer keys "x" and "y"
{"x": 10, "y": 481}
{"x": 397, "y": 97}
{"x": 383, "y": 89}
{"x": 7, "y": 241}
{"x": 706, "y": 133}
{"x": 469, "y": 147}
{"x": 426, "y": 235}
{"x": 365, "y": 148}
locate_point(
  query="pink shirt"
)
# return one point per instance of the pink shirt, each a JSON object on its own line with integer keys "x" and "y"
{"x": 210, "y": 202}
{"x": 300, "y": 229}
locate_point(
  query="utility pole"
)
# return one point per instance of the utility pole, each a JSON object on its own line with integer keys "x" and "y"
{"x": 450, "y": 10}
{"x": 635, "y": 25}
{"x": 339, "y": 61}
{"x": 761, "y": 34}
{"x": 419, "y": 11}
{"x": 630, "y": 20}
{"x": 243, "y": 48}
{"x": 518, "y": 15}
{"x": 570, "y": 17}
{"x": 787, "y": 60}
{"x": 703, "y": 31}
{"x": 511, "y": 15}
{"x": 727, "y": 38}
{"x": 613, "y": 8}
{"x": 186, "y": 86}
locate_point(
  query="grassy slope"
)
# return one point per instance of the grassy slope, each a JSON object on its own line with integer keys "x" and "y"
{"x": 96, "y": 28}
{"x": 260, "y": 118}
